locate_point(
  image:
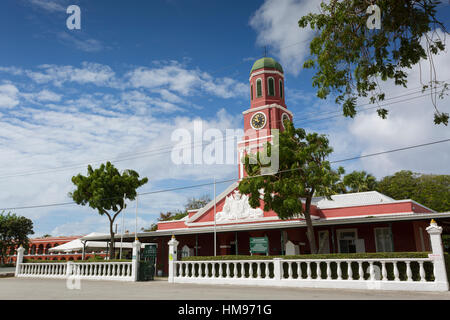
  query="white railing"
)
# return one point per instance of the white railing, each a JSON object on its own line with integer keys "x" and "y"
{"x": 121, "y": 271}
{"x": 383, "y": 274}
{"x": 419, "y": 274}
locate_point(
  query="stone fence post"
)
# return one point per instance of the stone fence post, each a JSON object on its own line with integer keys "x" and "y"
{"x": 135, "y": 259}
{"x": 19, "y": 260}
{"x": 440, "y": 273}
{"x": 173, "y": 245}
{"x": 277, "y": 268}
{"x": 69, "y": 269}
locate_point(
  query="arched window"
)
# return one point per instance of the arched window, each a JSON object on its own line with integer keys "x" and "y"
{"x": 251, "y": 92}
{"x": 281, "y": 89}
{"x": 258, "y": 88}
{"x": 271, "y": 87}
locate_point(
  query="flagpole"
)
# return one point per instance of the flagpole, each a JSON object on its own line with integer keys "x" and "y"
{"x": 215, "y": 245}
{"x": 121, "y": 236}
{"x": 135, "y": 225}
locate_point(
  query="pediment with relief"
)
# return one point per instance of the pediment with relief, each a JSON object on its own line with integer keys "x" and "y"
{"x": 236, "y": 207}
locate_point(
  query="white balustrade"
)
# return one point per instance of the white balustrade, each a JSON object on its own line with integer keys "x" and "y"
{"x": 331, "y": 274}
{"x": 93, "y": 270}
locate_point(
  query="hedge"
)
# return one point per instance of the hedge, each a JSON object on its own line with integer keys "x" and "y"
{"x": 428, "y": 266}
{"x": 373, "y": 255}
{"x": 77, "y": 261}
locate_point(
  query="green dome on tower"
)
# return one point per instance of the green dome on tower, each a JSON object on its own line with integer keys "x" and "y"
{"x": 266, "y": 62}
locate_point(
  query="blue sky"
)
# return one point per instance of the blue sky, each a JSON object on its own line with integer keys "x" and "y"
{"x": 138, "y": 70}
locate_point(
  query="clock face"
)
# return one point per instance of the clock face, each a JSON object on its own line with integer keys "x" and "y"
{"x": 258, "y": 120}
{"x": 284, "y": 117}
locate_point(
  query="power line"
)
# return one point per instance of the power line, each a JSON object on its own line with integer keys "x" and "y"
{"x": 169, "y": 149}
{"x": 393, "y": 150}
{"x": 229, "y": 180}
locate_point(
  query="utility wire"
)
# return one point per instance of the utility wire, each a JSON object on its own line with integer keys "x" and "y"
{"x": 169, "y": 149}
{"x": 229, "y": 180}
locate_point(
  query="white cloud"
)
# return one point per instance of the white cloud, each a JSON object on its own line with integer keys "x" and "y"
{"x": 81, "y": 42}
{"x": 8, "y": 96}
{"x": 95, "y": 73}
{"x": 48, "y": 5}
{"x": 176, "y": 77}
{"x": 47, "y": 95}
{"x": 276, "y": 25}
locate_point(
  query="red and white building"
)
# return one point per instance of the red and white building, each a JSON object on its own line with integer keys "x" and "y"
{"x": 355, "y": 222}
{"x": 39, "y": 249}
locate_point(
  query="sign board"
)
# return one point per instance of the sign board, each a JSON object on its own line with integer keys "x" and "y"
{"x": 259, "y": 245}
{"x": 149, "y": 252}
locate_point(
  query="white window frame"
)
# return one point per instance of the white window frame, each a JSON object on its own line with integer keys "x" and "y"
{"x": 338, "y": 233}
{"x": 375, "y": 237}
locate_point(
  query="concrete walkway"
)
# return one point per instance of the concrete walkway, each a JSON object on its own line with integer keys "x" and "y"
{"x": 47, "y": 289}
{"x": 7, "y": 270}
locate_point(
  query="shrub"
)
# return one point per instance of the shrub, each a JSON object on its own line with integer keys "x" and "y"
{"x": 373, "y": 255}
{"x": 77, "y": 261}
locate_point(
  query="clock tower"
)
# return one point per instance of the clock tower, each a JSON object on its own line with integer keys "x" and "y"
{"x": 267, "y": 107}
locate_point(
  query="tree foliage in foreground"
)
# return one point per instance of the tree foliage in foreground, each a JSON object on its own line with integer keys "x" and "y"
{"x": 14, "y": 231}
{"x": 350, "y": 58}
{"x": 430, "y": 190}
{"x": 304, "y": 171}
{"x": 105, "y": 189}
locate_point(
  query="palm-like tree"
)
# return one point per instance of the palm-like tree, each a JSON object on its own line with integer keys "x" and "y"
{"x": 360, "y": 181}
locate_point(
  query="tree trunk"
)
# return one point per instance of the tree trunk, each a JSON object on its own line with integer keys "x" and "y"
{"x": 111, "y": 244}
{"x": 309, "y": 226}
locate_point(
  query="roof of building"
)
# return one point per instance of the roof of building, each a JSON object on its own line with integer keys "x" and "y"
{"x": 266, "y": 62}
{"x": 352, "y": 199}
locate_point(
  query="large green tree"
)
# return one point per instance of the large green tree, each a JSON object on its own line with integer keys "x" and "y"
{"x": 105, "y": 189}
{"x": 14, "y": 231}
{"x": 359, "y": 181}
{"x": 304, "y": 171}
{"x": 430, "y": 190}
{"x": 351, "y": 60}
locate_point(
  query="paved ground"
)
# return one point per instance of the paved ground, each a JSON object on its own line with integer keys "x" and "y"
{"x": 7, "y": 270}
{"x": 46, "y": 289}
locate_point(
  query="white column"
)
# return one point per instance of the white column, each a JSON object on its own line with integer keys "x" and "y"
{"x": 135, "y": 259}
{"x": 277, "y": 268}
{"x": 173, "y": 245}
{"x": 440, "y": 274}
{"x": 69, "y": 269}
{"x": 19, "y": 259}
